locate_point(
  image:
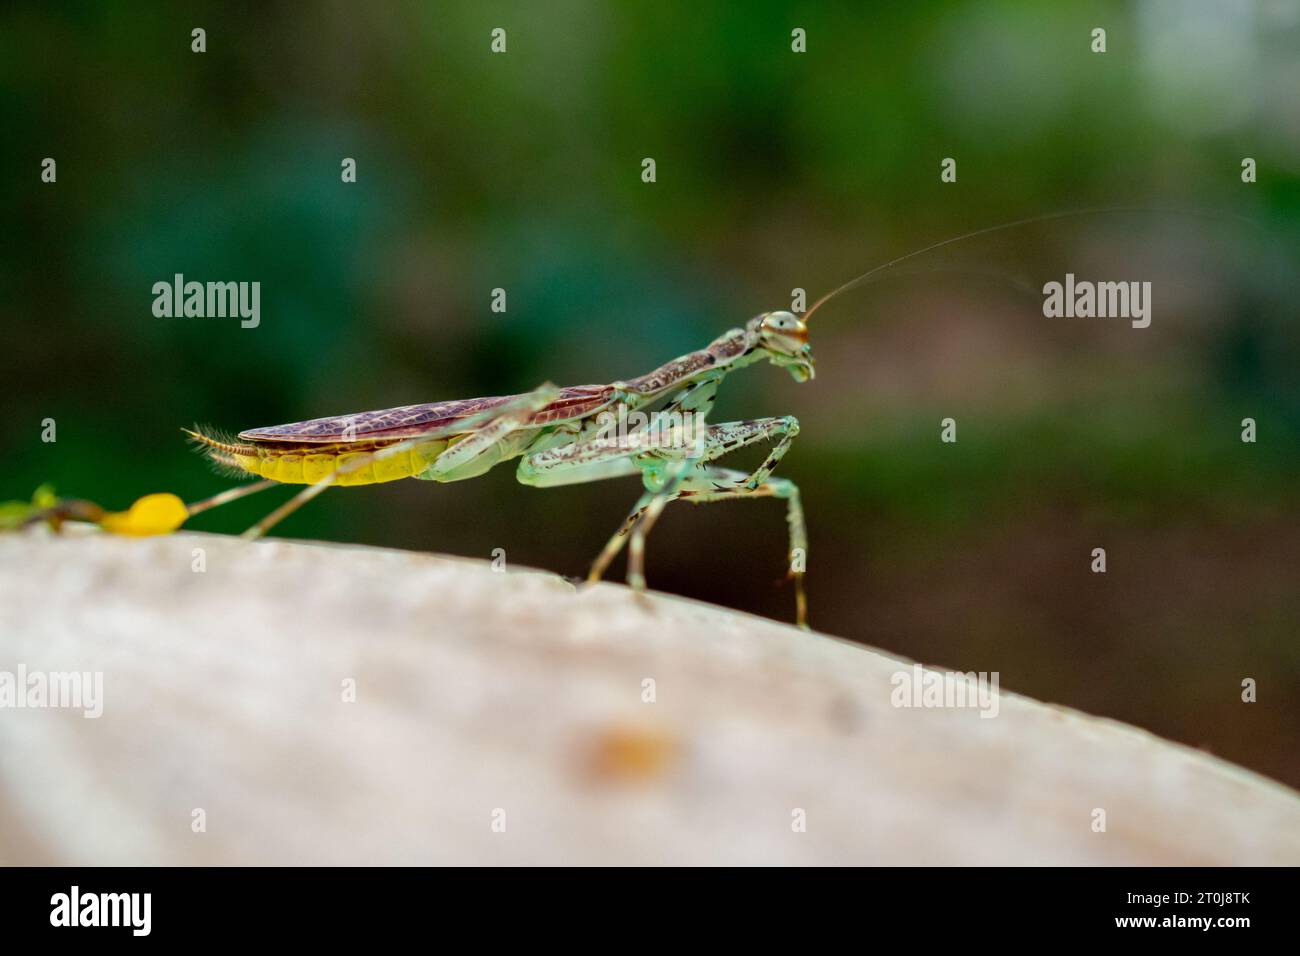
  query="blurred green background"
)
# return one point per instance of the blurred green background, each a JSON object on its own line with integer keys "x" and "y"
{"x": 776, "y": 170}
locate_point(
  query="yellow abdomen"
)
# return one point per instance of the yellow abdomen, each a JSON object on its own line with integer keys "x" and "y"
{"x": 308, "y": 465}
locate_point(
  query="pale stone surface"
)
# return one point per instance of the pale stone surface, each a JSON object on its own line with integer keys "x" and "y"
{"x": 479, "y": 691}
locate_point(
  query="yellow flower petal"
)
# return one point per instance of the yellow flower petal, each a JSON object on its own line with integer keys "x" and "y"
{"x": 152, "y": 514}
{"x": 44, "y": 497}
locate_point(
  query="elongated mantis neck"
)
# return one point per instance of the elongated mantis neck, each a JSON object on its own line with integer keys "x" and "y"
{"x": 731, "y": 350}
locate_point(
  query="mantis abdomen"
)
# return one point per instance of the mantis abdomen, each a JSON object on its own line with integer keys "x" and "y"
{"x": 306, "y": 464}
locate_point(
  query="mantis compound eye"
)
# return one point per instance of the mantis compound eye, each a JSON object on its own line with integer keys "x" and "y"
{"x": 785, "y": 336}
{"x": 784, "y": 332}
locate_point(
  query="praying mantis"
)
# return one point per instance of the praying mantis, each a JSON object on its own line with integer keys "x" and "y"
{"x": 560, "y": 436}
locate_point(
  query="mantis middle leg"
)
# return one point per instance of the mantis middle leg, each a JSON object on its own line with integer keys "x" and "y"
{"x": 781, "y": 488}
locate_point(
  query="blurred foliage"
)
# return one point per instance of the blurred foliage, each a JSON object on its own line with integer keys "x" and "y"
{"x": 775, "y": 171}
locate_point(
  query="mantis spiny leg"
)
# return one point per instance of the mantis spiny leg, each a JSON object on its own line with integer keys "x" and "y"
{"x": 718, "y": 441}
{"x": 723, "y": 439}
{"x": 702, "y": 484}
{"x": 595, "y": 459}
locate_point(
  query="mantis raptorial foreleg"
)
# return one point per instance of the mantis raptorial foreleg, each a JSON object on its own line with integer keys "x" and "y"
{"x": 718, "y": 440}
{"x": 679, "y": 475}
{"x": 723, "y": 439}
{"x": 595, "y": 459}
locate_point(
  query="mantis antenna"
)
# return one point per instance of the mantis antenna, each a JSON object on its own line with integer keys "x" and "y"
{"x": 870, "y": 274}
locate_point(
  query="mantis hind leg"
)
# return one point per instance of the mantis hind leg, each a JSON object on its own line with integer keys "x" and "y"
{"x": 229, "y": 495}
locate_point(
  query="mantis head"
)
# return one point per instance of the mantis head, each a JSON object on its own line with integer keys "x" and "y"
{"x": 784, "y": 336}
